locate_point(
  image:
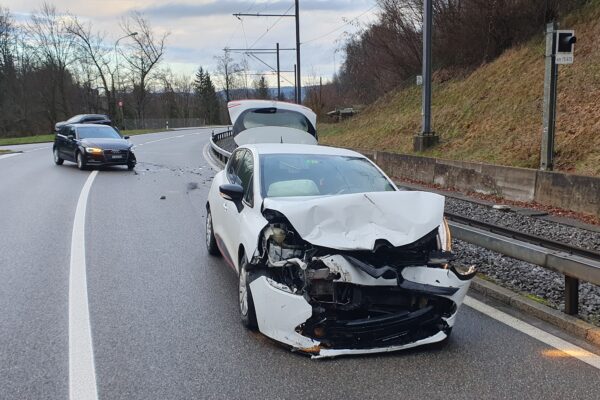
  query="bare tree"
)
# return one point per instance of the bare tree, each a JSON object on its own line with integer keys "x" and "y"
{"x": 228, "y": 74}
{"x": 53, "y": 46}
{"x": 95, "y": 53}
{"x": 143, "y": 55}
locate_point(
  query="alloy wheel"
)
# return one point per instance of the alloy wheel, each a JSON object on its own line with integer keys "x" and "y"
{"x": 243, "y": 290}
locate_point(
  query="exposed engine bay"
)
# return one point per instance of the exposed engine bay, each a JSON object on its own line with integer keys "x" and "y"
{"x": 329, "y": 302}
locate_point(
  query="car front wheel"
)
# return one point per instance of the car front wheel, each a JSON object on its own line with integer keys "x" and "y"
{"x": 80, "y": 161}
{"x": 57, "y": 159}
{"x": 247, "y": 312}
{"x": 211, "y": 241}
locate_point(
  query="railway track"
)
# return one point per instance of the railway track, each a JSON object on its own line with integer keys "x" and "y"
{"x": 525, "y": 237}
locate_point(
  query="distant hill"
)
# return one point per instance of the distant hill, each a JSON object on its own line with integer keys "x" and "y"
{"x": 494, "y": 114}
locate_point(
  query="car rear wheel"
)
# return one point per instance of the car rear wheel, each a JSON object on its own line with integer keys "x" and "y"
{"x": 57, "y": 159}
{"x": 80, "y": 161}
{"x": 247, "y": 313}
{"x": 211, "y": 241}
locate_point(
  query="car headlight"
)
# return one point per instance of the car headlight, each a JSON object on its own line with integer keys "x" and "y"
{"x": 93, "y": 150}
{"x": 131, "y": 148}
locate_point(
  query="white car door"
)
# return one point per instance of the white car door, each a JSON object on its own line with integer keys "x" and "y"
{"x": 234, "y": 216}
{"x": 222, "y": 209}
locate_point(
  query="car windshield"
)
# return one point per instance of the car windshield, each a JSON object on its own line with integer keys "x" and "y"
{"x": 258, "y": 117}
{"x": 101, "y": 132}
{"x": 290, "y": 175}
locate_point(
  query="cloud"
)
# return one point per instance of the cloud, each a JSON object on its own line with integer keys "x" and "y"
{"x": 227, "y": 7}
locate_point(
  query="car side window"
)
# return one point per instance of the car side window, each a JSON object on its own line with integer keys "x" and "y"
{"x": 233, "y": 166}
{"x": 245, "y": 173}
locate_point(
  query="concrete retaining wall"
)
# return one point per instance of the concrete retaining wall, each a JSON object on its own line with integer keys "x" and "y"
{"x": 571, "y": 192}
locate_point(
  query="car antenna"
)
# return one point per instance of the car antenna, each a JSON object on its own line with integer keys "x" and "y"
{"x": 281, "y": 139}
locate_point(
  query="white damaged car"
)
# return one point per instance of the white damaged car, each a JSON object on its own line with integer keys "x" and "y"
{"x": 332, "y": 257}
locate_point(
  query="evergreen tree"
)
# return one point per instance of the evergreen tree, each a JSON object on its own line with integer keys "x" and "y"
{"x": 261, "y": 89}
{"x": 206, "y": 94}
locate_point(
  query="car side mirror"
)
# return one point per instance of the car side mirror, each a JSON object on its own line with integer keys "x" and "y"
{"x": 126, "y": 137}
{"x": 71, "y": 136}
{"x": 232, "y": 192}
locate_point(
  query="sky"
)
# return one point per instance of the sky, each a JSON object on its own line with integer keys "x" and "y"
{"x": 200, "y": 29}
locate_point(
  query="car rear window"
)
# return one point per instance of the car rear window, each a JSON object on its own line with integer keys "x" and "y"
{"x": 291, "y": 175}
{"x": 271, "y": 116}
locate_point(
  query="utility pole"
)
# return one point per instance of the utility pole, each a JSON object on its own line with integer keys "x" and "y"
{"x": 299, "y": 79}
{"x": 426, "y": 138}
{"x": 278, "y": 75}
{"x": 559, "y": 50}
{"x": 296, "y": 15}
{"x": 295, "y": 84}
{"x": 550, "y": 85}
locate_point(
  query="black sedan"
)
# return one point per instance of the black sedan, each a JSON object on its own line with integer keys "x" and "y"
{"x": 92, "y": 145}
{"x": 99, "y": 119}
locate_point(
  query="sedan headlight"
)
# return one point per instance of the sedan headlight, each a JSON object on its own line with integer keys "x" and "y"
{"x": 93, "y": 150}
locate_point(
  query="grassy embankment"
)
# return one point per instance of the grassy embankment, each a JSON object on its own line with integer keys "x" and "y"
{"x": 494, "y": 114}
{"x": 50, "y": 138}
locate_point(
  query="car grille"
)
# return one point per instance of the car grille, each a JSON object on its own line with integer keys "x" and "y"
{"x": 116, "y": 155}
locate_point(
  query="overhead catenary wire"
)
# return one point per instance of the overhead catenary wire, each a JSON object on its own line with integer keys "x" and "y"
{"x": 271, "y": 27}
{"x": 340, "y": 27}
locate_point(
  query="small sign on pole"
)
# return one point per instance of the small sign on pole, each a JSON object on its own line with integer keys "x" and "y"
{"x": 565, "y": 41}
{"x": 419, "y": 80}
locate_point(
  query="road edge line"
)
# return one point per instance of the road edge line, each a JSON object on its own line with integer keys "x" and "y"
{"x": 568, "y": 323}
{"x": 536, "y": 333}
{"x": 82, "y": 371}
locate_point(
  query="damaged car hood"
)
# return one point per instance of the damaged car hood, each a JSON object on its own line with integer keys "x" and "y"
{"x": 357, "y": 221}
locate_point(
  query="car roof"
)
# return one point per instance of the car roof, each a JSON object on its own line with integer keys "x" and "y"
{"x": 283, "y": 148}
{"x": 91, "y": 126}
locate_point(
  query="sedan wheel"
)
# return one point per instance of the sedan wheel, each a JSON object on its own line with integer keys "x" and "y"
{"x": 80, "y": 162}
{"x": 57, "y": 159}
{"x": 247, "y": 313}
{"x": 211, "y": 241}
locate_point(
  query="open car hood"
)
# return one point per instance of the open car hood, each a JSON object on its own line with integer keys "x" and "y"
{"x": 274, "y": 134}
{"x": 357, "y": 221}
{"x": 236, "y": 108}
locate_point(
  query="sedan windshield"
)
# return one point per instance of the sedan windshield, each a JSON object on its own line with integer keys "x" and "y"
{"x": 288, "y": 175}
{"x": 102, "y": 132}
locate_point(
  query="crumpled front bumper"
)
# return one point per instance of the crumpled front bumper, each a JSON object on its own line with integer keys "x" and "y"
{"x": 282, "y": 314}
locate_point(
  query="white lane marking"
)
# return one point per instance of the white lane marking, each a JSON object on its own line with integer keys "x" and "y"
{"x": 37, "y": 149}
{"x": 10, "y": 155}
{"x": 536, "y": 333}
{"x": 209, "y": 159}
{"x": 82, "y": 373}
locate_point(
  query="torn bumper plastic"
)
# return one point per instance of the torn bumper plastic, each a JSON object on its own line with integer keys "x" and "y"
{"x": 358, "y": 313}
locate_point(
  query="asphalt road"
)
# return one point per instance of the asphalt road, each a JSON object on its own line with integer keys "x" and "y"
{"x": 163, "y": 313}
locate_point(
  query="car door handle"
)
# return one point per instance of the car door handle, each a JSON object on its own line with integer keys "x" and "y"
{"x": 225, "y": 206}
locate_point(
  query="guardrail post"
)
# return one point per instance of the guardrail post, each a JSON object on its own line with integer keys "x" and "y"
{"x": 571, "y": 295}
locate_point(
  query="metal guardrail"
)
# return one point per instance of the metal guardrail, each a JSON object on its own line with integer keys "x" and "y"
{"x": 574, "y": 263}
{"x": 538, "y": 251}
{"x": 221, "y": 154}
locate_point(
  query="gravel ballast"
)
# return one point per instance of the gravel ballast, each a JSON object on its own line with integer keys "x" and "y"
{"x": 546, "y": 286}
{"x": 532, "y": 225}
